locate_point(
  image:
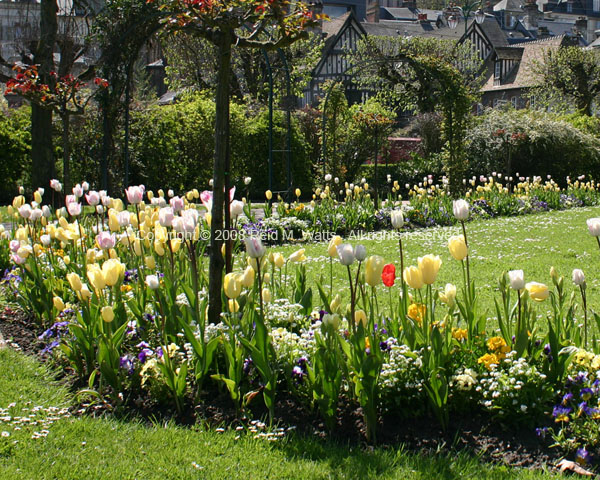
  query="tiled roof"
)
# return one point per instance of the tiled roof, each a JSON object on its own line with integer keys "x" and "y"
{"x": 332, "y": 27}
{"x": 411, "y": 29}
{"x": 523, "y": 75}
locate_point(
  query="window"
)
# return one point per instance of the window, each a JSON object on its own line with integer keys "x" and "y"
{"x": 515, "y": 102}
{"x": 498, "y": 70}
{"x": 569, "y": 7}
{"x": 596, "y": 5}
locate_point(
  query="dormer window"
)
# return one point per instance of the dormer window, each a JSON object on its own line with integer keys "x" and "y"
{"x": 498, "y": 70}
{"x": 569, "y": 7}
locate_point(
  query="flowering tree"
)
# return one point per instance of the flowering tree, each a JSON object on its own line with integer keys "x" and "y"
{"x": 64, "y": 95}
{"x": 265, "y": 24}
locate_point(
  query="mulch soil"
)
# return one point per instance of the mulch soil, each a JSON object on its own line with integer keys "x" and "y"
{"x": 474, "y": 433}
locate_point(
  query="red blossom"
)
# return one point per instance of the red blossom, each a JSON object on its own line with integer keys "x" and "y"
{"x": 388, "y": 275}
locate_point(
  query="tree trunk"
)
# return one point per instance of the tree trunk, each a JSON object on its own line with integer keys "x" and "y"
{"x": 106, "y": 143}
{"x": 42, "y": 155}
{"x": 66, "y": 121}
{"x": 215, "y": 305}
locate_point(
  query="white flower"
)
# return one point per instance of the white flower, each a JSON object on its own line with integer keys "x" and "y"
{"x": 397, "y": 218}
{"x": 360, "y": 252}
{"x": 594, "y": 226}
{"x": 346, "y": 254}
{"x": 460, "y": 209}
{"x": 517, "y": 279}
{"x": 578, "y": 277}
{"x": 254, "y": 247}
{"x": 152, "y": 282}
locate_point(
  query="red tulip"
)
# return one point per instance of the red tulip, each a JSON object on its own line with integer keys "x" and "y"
{"x": 389, "y": 275}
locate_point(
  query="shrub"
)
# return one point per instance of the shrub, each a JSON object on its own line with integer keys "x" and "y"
{"x": 537, "y": 143}
{"x": 15, "y": 145}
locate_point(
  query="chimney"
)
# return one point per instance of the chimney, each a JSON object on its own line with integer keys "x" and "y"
{"x": 542, "y": 32}
{"x": 581, "y": 27}
{"x": 532, "y": 14}
{"x": 373, "y": 11}
{"x": 316, "y": 8}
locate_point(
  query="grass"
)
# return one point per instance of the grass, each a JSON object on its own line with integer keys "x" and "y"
{"x": 107, "y": 448}
{"x": 532, "y": 243}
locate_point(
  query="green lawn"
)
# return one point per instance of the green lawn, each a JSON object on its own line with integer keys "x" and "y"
{"x": 105, "y": 448}
{"x": 532, "y": 243}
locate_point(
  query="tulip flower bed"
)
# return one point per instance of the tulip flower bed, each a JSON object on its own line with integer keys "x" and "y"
{"x": 121, "y": 297}
{"x": 342, "y": 209}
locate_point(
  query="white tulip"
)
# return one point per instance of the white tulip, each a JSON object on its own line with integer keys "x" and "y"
{"x": 517, "y": 279}
{"x": 578, "y": 277}
{"x": 346, "y": 254}
{"x": 460, "y": 209}
{"x": 594, "y": 226}
{"x": 360, "y": 253}
{"x": 397, "y": 218}
{"x": 254, "y": 247}
{"x": 236, "y": 208}
{"x": 152, "y": 282}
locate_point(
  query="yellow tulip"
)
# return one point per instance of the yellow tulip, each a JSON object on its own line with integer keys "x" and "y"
{"x": 373, "y": 269}
{"x": 298, "y": 256}
{"x": 413, "y": 277}
{"x": 90, "y": 256}
{"x": 150, "y": 262}
{"x": 278, "y": 260}
{"x": 67, "y": 259}
{"x": 360, "y": 317}
{"x": 269, "y": 195}
{"x": 113, "y": 222}
{"x": 266, "y": 295}
{"x": 234, "y": 306}
{"x": 267, "y": 277}
{"x": 537, "y": 291}
{"x": 96, "y": 277}
{"x": 247, "y": 278}
{"x": 175, "y": 244}
{"x": 85, "y": 293}
{"x": 458, "y": 247}
{"x": 108, "y": 315}
{"x": 208, "y": 218}
{"x": 159, "y": 248}
{"x": 449, "y": 295}
{"x": 232, "y": 285}
{"x": 58, "y": 303}
{"x": 333, "y": 244}
{"x": 113, "y": 270}
{"x": 298, "y": 192}
{"x": 429, "y": 265}
{"x": 21, "y": 234}
{"x": 37, "y": 196}
{"x": 137, "y": 247}
{"x": 74, "y": 281}
{"x": 335, "y": 303}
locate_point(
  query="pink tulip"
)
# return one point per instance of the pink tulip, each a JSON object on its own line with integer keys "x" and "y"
{"x": 177, "y": 204}
{"x": 14, "y": 246}
{"x": 74, "y": 208}
{"x": 93, "y": 198}
{"x": 78, "y": 191}
{"x": 106, "y": 241}
{"x": 135, "y": 194}
{"x": 18, "y": 260}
